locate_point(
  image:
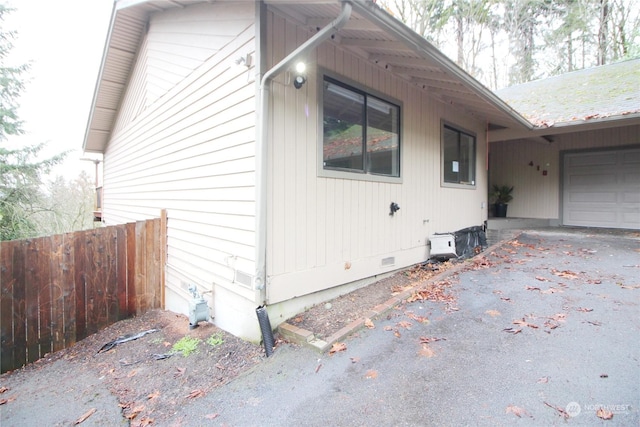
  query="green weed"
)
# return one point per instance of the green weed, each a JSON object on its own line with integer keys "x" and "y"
{"x": 186, "y": 346}
{"x": 215, "y": 339}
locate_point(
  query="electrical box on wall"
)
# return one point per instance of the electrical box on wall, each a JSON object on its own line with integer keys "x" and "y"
{"x": 443, "y": 245}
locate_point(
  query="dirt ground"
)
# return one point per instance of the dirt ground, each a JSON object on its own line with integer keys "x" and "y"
{"x": 150, "y": 385}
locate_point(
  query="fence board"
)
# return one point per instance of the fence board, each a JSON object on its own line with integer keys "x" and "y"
{"x": 56, "y": 290}
{"x": 6, "y": 307}
{"x": 19, "y": 307}
{"x": 69, "y": 288}
{"x": 56, "y": 268}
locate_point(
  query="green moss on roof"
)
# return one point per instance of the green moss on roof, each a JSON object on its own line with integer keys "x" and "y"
{"x": 598, "y": 92}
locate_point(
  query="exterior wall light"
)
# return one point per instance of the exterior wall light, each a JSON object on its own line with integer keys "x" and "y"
{"x": 300, "y": 78}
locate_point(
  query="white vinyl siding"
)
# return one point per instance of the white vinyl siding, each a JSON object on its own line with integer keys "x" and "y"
{"x": 185, "y": 142}
{"x": 327, "y": 231}
{"x": 536, "y": 195}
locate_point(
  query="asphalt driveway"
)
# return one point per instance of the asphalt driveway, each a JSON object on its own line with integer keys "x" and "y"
{"x": 545, "y": 332}
{"x": 571, "y": 355}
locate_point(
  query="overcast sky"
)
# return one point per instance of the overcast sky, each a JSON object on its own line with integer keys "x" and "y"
{"x": 64, "y": 42}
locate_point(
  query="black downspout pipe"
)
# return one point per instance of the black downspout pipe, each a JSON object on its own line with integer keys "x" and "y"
{"x": 265, "y": 327}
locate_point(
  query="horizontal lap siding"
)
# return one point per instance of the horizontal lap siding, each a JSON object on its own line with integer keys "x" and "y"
{"x": 190, "y": 148}
{"x": 318, "y": 226}
{"x": 536, "y": 195}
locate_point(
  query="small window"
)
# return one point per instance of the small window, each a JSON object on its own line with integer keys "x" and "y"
{"x": 361, "y": 133}
{"x": 458, "y": 156}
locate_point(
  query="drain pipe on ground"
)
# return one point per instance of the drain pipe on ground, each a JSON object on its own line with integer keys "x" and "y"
{"x": 262, "y": 132}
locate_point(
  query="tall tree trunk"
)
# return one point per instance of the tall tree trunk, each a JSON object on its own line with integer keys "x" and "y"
{"x": 602, "y": 32}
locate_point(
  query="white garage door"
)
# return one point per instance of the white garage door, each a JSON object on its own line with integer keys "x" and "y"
{"x": 602, "y": 189}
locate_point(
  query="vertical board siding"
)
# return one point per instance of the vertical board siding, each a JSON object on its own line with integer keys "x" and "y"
{"x": 318, "y": 227}
{"x": 538, "y": 196}
{"x": 191, "y": 149}
{"x": 59, "y": 289}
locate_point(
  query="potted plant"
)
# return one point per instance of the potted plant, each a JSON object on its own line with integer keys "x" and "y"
{"x": 501, "y": 195}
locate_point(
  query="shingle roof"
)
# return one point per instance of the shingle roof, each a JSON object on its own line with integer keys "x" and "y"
{"x": 595, "y": 93}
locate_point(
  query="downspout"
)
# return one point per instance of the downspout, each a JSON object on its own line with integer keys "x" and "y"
{"x": 262, "y": 133}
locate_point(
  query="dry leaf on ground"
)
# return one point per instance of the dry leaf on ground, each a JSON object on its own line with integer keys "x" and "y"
{"x": 516, "y": 410}
{"x": 368, "y": 323}
{"x": 604, "y": 414}
{"x": 371, "y": 374}
{"x": 337, "y": 346}
{"x": 426, "y": 351}
{"x": 561, "y": 412}
{"x": 493, "y": 313}
{"x": 195, "y": 394}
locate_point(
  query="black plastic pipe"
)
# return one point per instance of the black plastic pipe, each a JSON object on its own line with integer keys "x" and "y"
{"x": 265, "y": 327}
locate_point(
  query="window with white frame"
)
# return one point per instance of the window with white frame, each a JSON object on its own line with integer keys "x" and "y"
{"x": 458, "y": 156}
{"x": 361, "y": 132}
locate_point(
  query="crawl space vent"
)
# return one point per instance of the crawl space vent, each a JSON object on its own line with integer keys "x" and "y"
{"x": 388, "y": 261}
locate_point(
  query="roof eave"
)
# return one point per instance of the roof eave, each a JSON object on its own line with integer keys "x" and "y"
{"x": 567, "y": 127}
{"x": 425, "y": 49}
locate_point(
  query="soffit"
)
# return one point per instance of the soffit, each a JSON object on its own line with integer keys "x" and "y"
{"x": 371, "y": 33}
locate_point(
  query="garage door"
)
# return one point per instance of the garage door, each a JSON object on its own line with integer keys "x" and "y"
{"x": 602, "y": 189}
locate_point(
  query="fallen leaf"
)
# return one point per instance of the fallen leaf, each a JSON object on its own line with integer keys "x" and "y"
{"x": 505, "y": 299}
{"x": 427, "y": 340}
{"x": 550, "y": 291}
{"x": 371, "y": 374}
{"x": 493, "y": 313}
{"x": 3, "y": 389}
{"x": 561, "y": 412}
{"x": 388, "y": 328}
{"x": 368, "y": 323}
{"x": 405, "y": 324}
{"x": 594, "y": 322}
{"x": 426, "y": 351}
{"x": 85, "y": 416}
{"x": 543, "y": 380}
{"x": 516, "y": 410}
{"x": 532, "y": 288}
{"x": 524, "y": 323}
{"x": 604, "y": 414}
{"x": 560, "y": 317}
{"x": 180, "y": 372}
{"x": 584, "y": 310}
{"x": 337, "y": 346}
{"x": 134, "y": 412}
{"x": 542, "y": 279}
{"x": 417, "y": 318}
{"x": 318, "y": 367}
{"x": 154, "y": 395}
{"x": 212, "y": 416}
{"x": 144, "y": 421}
{"x": 195, "y": 394}
{"x": 512, "y": 330}
{"x": 132, "y": 373}
{"x": 397, "y": 333}
{"x": 566, "y": 274}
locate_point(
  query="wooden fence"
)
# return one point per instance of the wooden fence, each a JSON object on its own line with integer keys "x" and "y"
{"x": 57, "y": 290}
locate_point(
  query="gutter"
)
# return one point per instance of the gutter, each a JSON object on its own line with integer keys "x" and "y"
{"x": 262, "y": 133}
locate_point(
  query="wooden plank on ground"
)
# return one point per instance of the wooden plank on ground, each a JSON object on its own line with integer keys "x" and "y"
{"x": 7, "y": 281}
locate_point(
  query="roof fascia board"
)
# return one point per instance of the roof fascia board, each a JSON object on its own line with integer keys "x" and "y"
{"x": 567, "y": 127}
{"x": 418, "y": 44}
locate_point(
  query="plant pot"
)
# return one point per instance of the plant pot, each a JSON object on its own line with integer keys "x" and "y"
{"x": 500, "y": 210}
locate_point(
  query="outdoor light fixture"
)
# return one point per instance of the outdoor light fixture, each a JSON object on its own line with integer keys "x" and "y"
{"x": 300, "y": 77}
{"x": 244, "y": 61}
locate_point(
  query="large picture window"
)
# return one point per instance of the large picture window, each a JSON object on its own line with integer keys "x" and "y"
{"x": 361, "y": 132}
{"x": 458, "y": 156}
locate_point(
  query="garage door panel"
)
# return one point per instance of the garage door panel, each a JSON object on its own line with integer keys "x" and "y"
{"x": 602, "y": 189}
{"x": 595, "y": 179}
{"x": 593, "y": 159}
